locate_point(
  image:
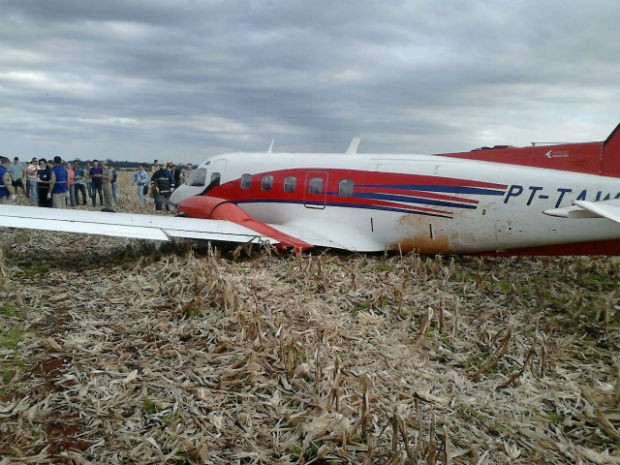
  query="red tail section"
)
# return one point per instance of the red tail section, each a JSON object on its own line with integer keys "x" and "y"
{"x": 602, "y": 158}
{"x": 611, "y": 154}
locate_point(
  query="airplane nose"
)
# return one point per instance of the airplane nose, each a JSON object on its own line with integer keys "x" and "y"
{"x": 174, "y": 200}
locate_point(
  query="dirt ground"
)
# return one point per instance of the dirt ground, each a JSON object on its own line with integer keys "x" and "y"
{"x": 121, "y": 351}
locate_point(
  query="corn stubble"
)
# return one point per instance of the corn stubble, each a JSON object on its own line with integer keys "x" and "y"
{"x": 132, "y": 353}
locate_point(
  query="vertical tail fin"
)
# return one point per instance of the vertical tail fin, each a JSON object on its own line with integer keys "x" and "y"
{"x": 611, "y": 153}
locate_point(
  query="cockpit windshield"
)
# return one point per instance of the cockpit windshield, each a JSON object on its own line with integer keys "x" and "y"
{"x": 198, "y": 178}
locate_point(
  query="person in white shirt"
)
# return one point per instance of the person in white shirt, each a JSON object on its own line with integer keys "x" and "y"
{"x": 141, "y": 180}
{"x": 33, "y": 186}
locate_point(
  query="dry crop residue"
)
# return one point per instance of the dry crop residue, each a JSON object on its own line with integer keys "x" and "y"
{"x": 114, "y": 351}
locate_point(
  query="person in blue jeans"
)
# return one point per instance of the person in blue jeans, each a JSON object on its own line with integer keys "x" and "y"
{"x": 162, "y": 185}
{"x": 96, "y": 177}
{"x": 33, "y": 182}
{"x": 114, "y": 184}
{"x": 80, "y": 187}
{"x": 141, "y": 180}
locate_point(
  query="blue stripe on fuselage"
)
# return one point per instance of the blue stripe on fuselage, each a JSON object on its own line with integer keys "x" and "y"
{"x": 404, "y": 198}
{"x": 436, "y": 188}
{"x": 352, "y": 205}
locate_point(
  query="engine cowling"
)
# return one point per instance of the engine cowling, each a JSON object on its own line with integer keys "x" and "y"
{"x": 215, "y": 208}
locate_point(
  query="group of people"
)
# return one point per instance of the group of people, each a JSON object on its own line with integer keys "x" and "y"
{"x": 164, "y": 179}
{"x": 59, "y": 184}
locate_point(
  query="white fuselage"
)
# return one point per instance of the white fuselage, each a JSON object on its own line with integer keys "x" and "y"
{"x": 423, "y": 202}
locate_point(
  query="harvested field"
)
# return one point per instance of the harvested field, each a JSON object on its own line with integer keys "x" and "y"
{"x": 119, "y": 351}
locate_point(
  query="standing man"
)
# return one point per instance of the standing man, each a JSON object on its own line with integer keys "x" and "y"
{"x": 176, "y": 173}
{"x": 189, "y": 170}
{"x": 88, "y": 180}
{"x": 114, "y": 184}
{"x": 59, "y": 184}
{"x": 162, "y": 185}
{"x": 141, "y": 179}
{"x": 6, "y": 185}
{"x": 79, "y": 183}
{"x": 17, "y": 173}
{"x": 96, "y": 175}
{"x": 71, "y": 174}
{"x": 33, "y": 184}
{"x": 44, "y": 174}
{"x": 106, "y": 185}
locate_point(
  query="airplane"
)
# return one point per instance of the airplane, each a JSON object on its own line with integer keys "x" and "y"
{"x": 544, "y": 199}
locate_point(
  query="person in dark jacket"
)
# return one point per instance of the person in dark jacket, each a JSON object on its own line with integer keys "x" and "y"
{"x": 176, "y": 173}
{"x": 96, "y": 177}
{"x": 7, "y": 191}
{"x": 162, "y": 185}
{"x": 44, "y": 174}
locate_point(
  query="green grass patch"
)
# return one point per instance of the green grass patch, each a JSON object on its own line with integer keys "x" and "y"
{"x": 9, "y": 311}
{"x": 36, "y": 272}
{"x": 10, "y": 374}
{"x": 554, "y": 417}
{"x": 468, "y": 412}
{"x": 602, "y": 281}
{"x": 12, "y": 333}
{"x": 7, "y": 374}
{"x": 385, "y": 267}
{"x": 505, "y": 287}
{"x": 10, "y": 338}
{"x": 172, "y": 419}
{"x": 149, "y": 406}
{"x": 308, "y": 453}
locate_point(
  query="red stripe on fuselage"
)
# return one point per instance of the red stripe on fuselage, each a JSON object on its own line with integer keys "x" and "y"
{"x": 372, "y": 203}
{"x": 363, "y": 182}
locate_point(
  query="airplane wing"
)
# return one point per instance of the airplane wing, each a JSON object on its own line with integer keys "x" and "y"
{"x": 299, "y": 234}
{"x": 138, "y": 226}
{"x": 341, "y": 236}
{"x": 609, "y": 209}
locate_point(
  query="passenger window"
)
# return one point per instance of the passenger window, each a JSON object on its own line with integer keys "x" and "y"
{"x": 316, "y": 186}
{"x": 345, "y": 188}
{"x": 290, "y": 184}
{"x": 215, "y": 179}
{"x": 246, "y": 181}
{"x": 198, "y": 177}
{"x": 266, "y": 182}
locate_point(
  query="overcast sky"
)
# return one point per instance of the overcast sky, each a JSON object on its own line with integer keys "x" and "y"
{"x": 186, "y": 79}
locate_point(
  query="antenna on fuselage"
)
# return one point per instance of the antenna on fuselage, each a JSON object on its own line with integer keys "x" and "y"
{"x": 352, "y": 150}
{"x": 273, "y": 141}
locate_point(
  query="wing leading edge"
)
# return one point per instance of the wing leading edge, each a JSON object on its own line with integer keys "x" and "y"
{"x": 230, "y": 227}
{"x": 137, "y": 226}
{"x": 609, "y": 209}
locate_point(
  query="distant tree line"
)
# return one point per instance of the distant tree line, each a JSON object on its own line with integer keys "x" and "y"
{"x": 118, "y": 164}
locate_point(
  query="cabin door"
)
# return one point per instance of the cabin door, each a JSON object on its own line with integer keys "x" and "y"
{"x": 315, "y": 189}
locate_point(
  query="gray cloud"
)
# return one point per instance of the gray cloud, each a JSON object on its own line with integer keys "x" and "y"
{"x": 187, "y": 79}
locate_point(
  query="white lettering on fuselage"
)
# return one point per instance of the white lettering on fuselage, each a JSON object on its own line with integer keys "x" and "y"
{"x": 530, "y": 194}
